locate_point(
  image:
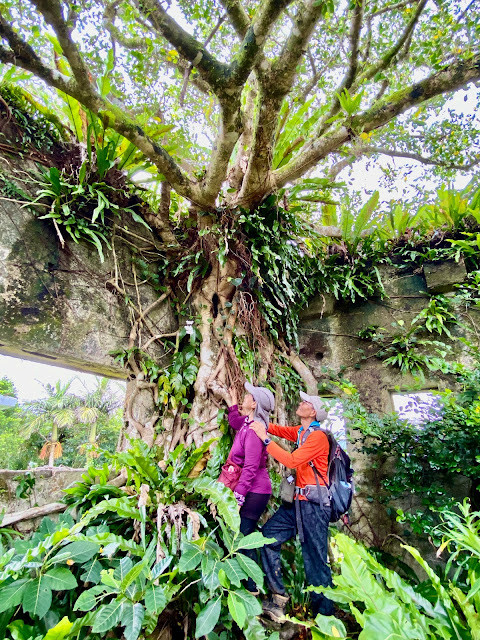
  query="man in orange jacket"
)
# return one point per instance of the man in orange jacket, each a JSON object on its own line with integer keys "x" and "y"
{"x": 309, "y": 515}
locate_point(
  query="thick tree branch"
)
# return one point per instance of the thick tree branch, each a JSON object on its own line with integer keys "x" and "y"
{"x": 355, "y": 29}
{"x": 237, "y": 173}
{"x": 393, "y": 153}
{"x": 254, "y": 39}
{"x": 387, "y": 59}
{"x": 227, "y": 137}
{"x": 52, "y": 11}
{"x": 274, "y": 86}
{"x": 210, "y": 69}
{"x": 238, "y": 16}
{"x": 452, "y": 78}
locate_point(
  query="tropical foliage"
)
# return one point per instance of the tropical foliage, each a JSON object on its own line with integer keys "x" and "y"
{"x": 387, "y": 606}
{"x": 62, "y": 426}
{"x": 166, "y": 543}
{"x": 428, "y": 462}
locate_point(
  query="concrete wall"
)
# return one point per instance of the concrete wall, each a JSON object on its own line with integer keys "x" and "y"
{"x": 59, "y": 306}
{"x": 48, "y": 488}
{"x": 329, "y": 338}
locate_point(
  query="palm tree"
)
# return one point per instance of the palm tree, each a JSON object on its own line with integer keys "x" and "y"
{"x": 56, "y": 411}
{"x": 95, "y": 409}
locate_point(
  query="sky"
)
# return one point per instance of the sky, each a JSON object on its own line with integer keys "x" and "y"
{"x": 29, "y": 378}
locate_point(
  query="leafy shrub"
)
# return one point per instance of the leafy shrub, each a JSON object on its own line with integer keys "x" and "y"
{"x": 429, "y": 460}
{"x": 387, "y": 606}
{"x": 168, "y": 541}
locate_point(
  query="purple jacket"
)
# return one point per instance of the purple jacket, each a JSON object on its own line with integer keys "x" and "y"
{"x": 249, "y": 452}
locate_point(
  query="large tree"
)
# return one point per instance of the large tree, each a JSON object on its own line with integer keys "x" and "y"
{"x": 229, "y": 102}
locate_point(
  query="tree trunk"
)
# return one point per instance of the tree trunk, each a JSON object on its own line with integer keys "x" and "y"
{"x": 215, "y": 306}
{"x": 51, "y": 453}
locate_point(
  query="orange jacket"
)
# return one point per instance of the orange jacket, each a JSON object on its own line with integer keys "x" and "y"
{"x": 315, "y": 448}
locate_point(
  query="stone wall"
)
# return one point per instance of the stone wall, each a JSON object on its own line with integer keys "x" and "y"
{"x": 329, "y": 338}
{"x": 47, "y": 488}
{"x": 62, "y": 306}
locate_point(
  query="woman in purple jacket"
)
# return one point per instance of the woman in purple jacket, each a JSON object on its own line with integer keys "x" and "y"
{"x": 254, "y": 488}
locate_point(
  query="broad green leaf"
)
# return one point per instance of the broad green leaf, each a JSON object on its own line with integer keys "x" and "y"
{"x": 155, "y": 599}
{"x": 251, "y": 603}
{"x": 92, "y": 571}
{"x": 222, "y": 497}
{"x": 236, "y": 608}
{"x": 11, "y": 595}
{"x": 251, "y": 568}
{"x": 191, "y": 556}
{"x": 331, "y": 626}
{"x": 107, "y": 617}
{"x": 123, "y": 568}
{"x": 208, "y": 617}
{"x": 79, "y": 551}
{"x": 160, "y": 567}
{"x": 254, "y": 540}
{"x": 132, "y": 575}
{"x": 60, "y": 579}
{"x": 37, "y": 597}
{"x": 88, "y": 600}
{"x": 60, "y": 630}
{"x": 132, "y": 619}
{"x": 233, "y": 570}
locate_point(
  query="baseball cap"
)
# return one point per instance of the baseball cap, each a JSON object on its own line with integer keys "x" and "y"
{"x": 262, "y": 396}
{"x": 318, "y": 404}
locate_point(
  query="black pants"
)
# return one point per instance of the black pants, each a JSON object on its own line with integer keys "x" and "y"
{"x": 254, "y": 506}
{"x": 283, "y": 526}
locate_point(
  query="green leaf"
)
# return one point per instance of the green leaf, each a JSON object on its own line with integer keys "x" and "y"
{"x": 60, "y": 630}
{"x": 132, "y": 575}
{"x": 222, "y": 497}
{"x": 79, "y": 551}
{"x": 331, "y": 626}
{"x": 251, "y": 568}
{"x": 233, "y": 571}
{"x": 191, "y": 556}
{"x": 208, "y": 617}
{"x": 37, "y": 597}
{"x": 236, "y": 608}
{"x": 155, "y": 599}
{"x": 107, "y": 617}
{"x": 251, "y": 603}
{"x": 132, "y": 619}
{"x": 11, "y": 595}
{"x": 254, "y": 540}
{"x": 123, "y": 568}
{"x": 60, "y": 579}
{"x": 87, "y": 600}
{"x": 92, "y": 571}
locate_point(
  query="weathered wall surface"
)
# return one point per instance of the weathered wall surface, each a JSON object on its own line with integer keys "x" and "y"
{"x": 329, "y": 338}
{"x": 61, "y": 306}
{"x": 47, "y": 488}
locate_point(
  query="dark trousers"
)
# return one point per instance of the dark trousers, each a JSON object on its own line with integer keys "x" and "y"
{"x": 247, "y": 525}
{"x": 283, "y": 527}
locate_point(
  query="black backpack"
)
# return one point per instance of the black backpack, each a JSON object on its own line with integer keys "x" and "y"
{"x": 340, "y": 473}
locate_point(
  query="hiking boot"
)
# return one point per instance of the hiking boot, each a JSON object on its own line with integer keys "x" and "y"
{"x": 274, "y": 607}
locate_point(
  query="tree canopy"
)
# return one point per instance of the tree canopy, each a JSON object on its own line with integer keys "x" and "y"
{"x": 230, "y": 101}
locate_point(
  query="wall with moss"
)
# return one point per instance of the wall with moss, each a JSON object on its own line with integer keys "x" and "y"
{"x": 61, "y": 306}
{"x": 330, "y": 342}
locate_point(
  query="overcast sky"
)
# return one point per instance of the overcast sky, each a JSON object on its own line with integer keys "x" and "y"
{"x": 29, "y": 377}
